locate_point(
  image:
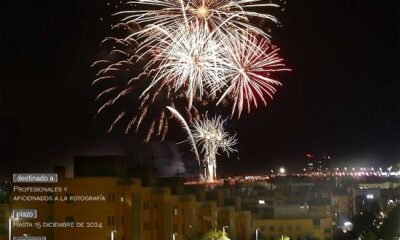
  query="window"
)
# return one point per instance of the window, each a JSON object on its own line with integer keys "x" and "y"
{"x": 146, "y": 205}
{"x": 316, "y": 222}
{"x": 111, "y": 198}
{"x": 272, "y": 228}
{"x": 146, "y": 226}
{"x": 111, "y": 221}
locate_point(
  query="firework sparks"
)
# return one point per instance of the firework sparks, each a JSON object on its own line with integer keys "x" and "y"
{"x": 209, "y": 134}
{"x": 188, "y": 60}
{"x": 120, "y": 116}
{"x": 190, "y": 53}
{"x": 212, "y": 14}
{"x": 248, "y": 66}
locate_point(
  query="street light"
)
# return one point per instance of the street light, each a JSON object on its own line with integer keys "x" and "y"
{"x": 10, "y": 222}
{"x": 113, "y": 234}
{"x": 257, "y": 229}
{"x": 9, "y": 228}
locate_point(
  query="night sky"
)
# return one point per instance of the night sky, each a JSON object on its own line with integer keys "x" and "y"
{"x": 341, "y": 97}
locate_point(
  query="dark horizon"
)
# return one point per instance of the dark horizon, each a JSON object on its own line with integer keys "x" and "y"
{"x": 342, "y": 97}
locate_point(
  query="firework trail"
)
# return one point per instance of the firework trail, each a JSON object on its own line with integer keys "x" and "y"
{"x": 119, "y": 88}
{"x": 185, "y": 126}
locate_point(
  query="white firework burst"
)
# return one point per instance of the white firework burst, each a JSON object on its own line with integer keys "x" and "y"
{"x": 188, "y": 59}
{"x": 201, "y": 51}
{"x": 224, "y": 14}
{"x": 210, "y": 136}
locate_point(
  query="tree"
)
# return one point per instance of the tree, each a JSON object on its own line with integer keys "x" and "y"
{"x": 363, "y": 221}
{"x": 308, "y": 236}
{"x": 391, "y": 225}
{"x": 374, "y": 207}
{"x": 215, "y": 235}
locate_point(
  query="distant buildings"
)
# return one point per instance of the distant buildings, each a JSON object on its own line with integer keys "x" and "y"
{"x": 4, "y": 210}
{"x": 295, "y": 228}
{"x": 136, "y": 205}
{"x": 317, "y": 162}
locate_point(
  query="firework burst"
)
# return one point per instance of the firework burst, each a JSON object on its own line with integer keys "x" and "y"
{"x": 210, "y": 136}
{"x": 188, "y": 54}
{"x": 189, "y": 60}
{"x": 212, "y": 14}
{"x": 249, "y": 61}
